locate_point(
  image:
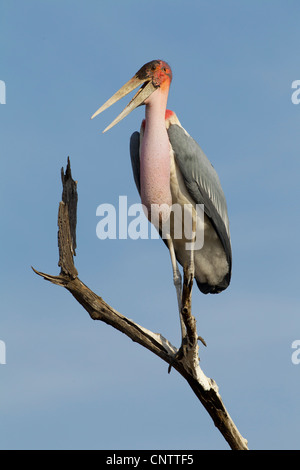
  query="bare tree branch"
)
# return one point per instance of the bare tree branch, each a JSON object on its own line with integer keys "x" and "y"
{"x": 185, "y": 360}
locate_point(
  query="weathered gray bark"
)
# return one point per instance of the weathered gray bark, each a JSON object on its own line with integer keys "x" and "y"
{"x": 185, "y": 360}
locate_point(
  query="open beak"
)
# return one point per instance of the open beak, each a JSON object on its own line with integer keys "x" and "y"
{"x": 142, "y": 94}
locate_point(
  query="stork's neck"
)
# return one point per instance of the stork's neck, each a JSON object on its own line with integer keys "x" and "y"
{"x": 155, "y": 153}
{"x": 156, "y": 106}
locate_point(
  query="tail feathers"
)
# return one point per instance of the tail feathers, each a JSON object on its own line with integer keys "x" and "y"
{"x": 206, "y": 288}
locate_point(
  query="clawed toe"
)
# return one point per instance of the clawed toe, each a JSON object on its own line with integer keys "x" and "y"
{"x": 180, "y": 353}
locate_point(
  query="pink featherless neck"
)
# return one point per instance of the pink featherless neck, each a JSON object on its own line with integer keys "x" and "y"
{"x": 155, "y": 157}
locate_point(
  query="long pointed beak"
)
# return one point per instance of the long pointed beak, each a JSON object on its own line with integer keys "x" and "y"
{"x": 142, "y": 94}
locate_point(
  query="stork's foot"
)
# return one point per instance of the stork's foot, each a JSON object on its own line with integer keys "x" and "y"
{"x": 181, "y": 351}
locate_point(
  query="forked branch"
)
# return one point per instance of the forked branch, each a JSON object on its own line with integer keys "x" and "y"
{"x": 185, "y": 361}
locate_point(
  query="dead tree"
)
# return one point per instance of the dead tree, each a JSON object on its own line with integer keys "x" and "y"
{"x": 185, "y": 360}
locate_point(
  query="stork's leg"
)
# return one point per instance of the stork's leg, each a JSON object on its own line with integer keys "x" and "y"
{"x": 191, "y": 266}
{"x": 177, "y": 282}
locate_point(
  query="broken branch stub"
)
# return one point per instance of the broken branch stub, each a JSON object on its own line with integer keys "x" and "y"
{"x": 67, "y": 220}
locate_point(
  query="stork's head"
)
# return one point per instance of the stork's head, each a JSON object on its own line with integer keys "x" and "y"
{"x": 153, "y": 75}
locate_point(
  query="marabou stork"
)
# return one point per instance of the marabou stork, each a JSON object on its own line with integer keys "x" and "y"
{"x": 170, "y": 168}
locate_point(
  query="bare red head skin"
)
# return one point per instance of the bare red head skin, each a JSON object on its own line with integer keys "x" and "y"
{"x": 158, "y": 71}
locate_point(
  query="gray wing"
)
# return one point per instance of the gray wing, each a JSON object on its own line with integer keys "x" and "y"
{"x": 135, "y": 158}
{"x": 202, "y": 183}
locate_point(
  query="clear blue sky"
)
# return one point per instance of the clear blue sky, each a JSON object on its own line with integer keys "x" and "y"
{"x": 73, "y": 383}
